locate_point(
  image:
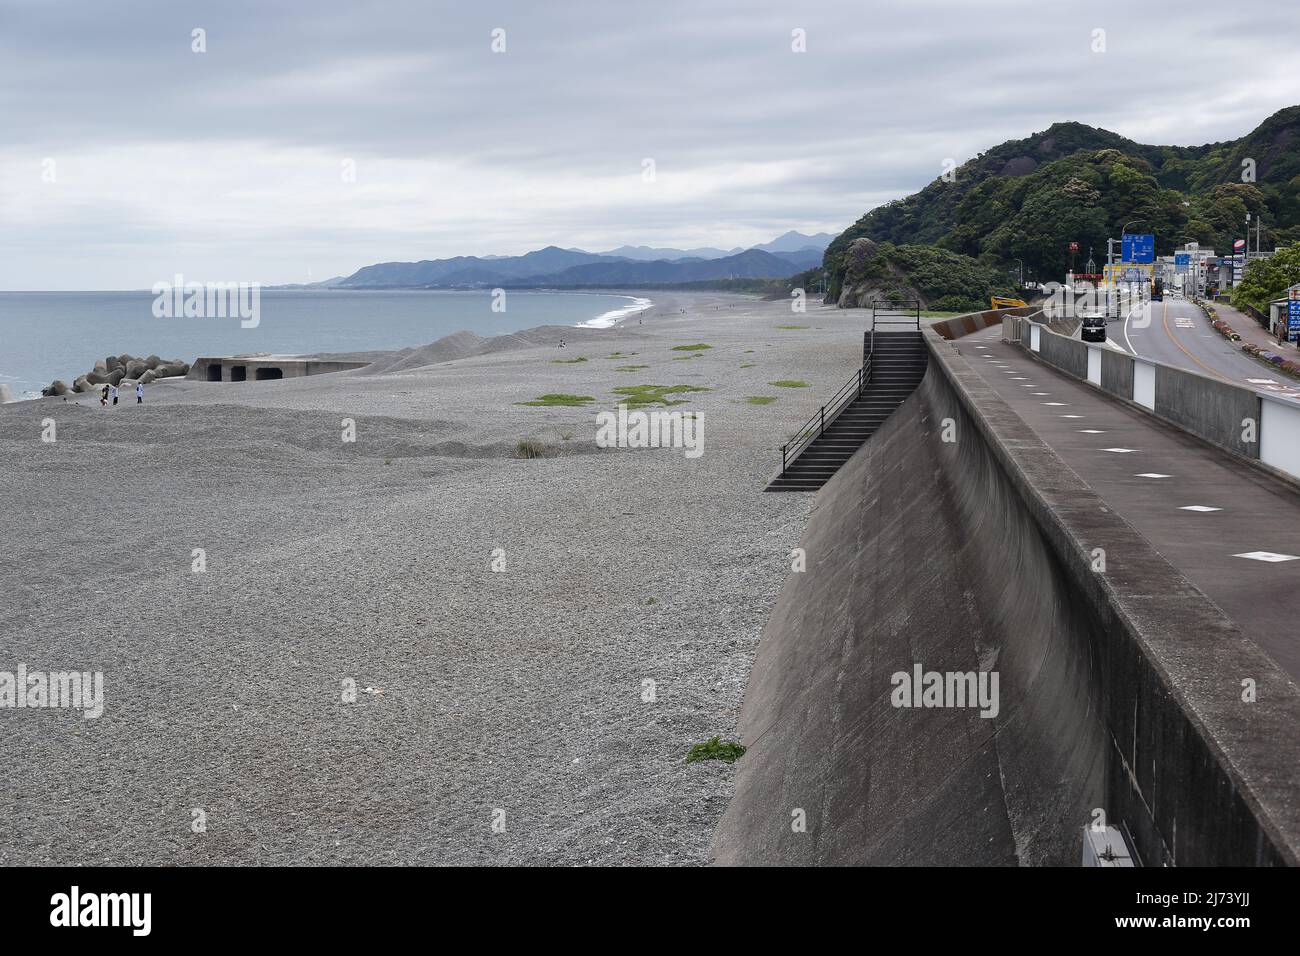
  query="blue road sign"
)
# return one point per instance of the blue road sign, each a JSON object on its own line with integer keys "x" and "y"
{"x": 1182, "y": 262}
{"x": 1138, "y": 248}
{"x": 1293, "y": 320}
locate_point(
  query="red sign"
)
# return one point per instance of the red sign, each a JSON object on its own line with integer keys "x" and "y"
{"x": 1074, "y": 247}
{"x": 1239, "y": 244}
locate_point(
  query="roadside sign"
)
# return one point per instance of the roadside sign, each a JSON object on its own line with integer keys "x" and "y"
{"x": 1238, "y": 244}
{"x": 1138, "y": 248}
{"x": 1074, "y": 247}
{"x": 1133, "y": 275}
{"x": 1182, "y": 263}
{"x": 1293, "y": 316}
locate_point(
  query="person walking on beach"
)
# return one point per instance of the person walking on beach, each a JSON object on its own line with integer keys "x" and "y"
{"x": 112, "y": 390}
{"x": 139, "y": 393}
{"x": 103, "y": 396}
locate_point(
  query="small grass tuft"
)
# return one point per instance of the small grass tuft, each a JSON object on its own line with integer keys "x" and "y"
{"x": 760, "y": 399}
{"x": 638, "y": 395}
{"x": 748, "y": 365}
{"x": 715, "y": 749}
{"x": 558, "y": 398}
{"x": 572, "y": 361}
{"x": 528, "y": 448}
{"x": 652, "y": 601}
{"x": 697, "y": 347}
{"x": 629, "y": 368}
{"x": 792, "y": 326}
{"x": 789, "y": 383}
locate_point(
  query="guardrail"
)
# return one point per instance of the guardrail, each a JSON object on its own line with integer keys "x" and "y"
{"x": 1251, "y": 424}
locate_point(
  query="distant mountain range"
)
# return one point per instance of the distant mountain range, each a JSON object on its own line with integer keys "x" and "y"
{"x": 626, "y": 266}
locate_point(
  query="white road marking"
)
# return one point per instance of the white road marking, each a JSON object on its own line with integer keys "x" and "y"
{"x": 1198, "y": 508}
{"x": 1271, "y": 556}
{"x": 1152, "y": 474}
{"x": 1120, "y": 451}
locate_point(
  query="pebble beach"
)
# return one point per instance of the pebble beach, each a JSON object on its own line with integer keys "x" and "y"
{"x": 534, "y": 629}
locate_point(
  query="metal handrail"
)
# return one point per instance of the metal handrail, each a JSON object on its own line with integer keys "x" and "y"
{"x": 816, "y": 426}
{"x": 902, "y": 312}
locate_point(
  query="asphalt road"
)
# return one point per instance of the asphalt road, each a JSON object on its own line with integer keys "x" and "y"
{"x": 1179, "y": 334}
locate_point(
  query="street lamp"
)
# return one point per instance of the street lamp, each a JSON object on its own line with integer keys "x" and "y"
{"x": 1196, "y": 265}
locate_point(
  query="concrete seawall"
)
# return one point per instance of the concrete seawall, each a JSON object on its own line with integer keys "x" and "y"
{"x": 1120, "y": 690}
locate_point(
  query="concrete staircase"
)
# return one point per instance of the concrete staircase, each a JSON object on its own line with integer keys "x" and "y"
{"x": 893, "y": 365}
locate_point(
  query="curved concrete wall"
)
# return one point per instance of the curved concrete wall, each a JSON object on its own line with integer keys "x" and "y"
{"x": 1119, "y": 691}
{"x": 960, "y": 325}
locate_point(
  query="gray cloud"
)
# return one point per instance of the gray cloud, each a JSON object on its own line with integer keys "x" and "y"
{"x": 227, "y": 164}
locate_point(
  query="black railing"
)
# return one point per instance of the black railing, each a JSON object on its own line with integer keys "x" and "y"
{"x": 902, "y": 312}
{"x": 816, "y": 426}
{"x": 905, "y": 312}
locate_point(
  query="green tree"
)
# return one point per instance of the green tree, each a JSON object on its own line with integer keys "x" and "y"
{"x": 1268, "y": 279}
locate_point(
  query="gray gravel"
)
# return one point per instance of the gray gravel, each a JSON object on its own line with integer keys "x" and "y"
{"x": 519, "y": 690}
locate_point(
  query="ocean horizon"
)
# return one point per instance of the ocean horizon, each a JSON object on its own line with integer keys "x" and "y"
{"x": 60, "y": 335}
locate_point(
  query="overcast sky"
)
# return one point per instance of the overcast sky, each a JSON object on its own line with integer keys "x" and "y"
{"x": 233, "y": 164}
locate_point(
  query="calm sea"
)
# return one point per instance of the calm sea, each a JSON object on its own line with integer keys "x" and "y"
{"x": 49, "y": 335}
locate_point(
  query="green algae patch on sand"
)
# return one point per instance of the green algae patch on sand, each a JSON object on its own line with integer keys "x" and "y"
{"x": 760, "y": 399}
{"x": 716, "y": 749}
{"x": 683, "y": 358}
{"x": 572, "y": 361}
{"x": 629, "y": 368}
{"x": 697, "y": 347}
{"x": 638, "y": 395}
{"x": 789, "y": 383}
{"x": 558, "y": 399}
{"x": 748, "y": 365}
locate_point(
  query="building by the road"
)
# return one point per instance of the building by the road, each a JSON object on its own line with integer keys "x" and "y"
{"x": 1190, "y": 269}
{"x": 1279, "y": 311}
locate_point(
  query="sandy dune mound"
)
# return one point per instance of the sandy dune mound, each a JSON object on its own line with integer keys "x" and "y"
{"x": 464, "y": 344}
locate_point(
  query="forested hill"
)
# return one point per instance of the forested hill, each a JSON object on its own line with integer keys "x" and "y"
{"x": 1028, "y": 199}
